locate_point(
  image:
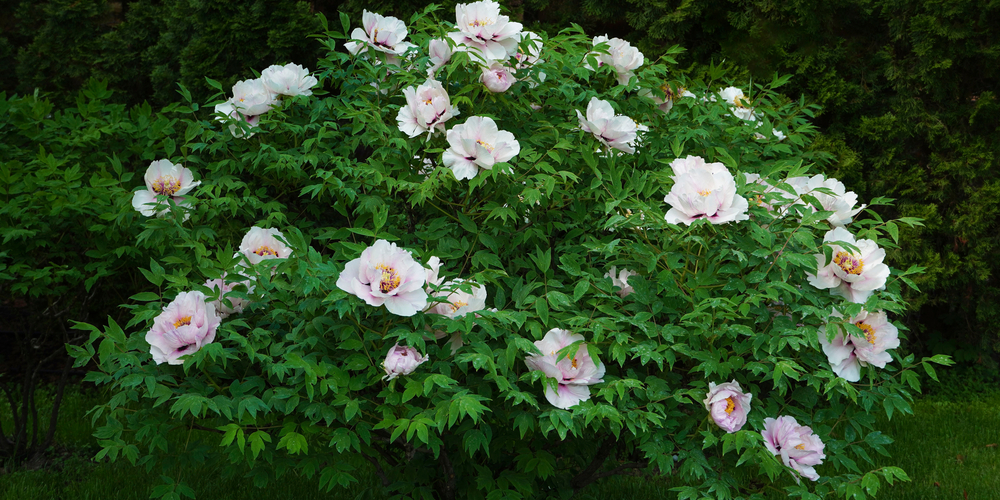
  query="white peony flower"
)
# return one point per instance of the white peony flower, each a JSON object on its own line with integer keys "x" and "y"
{"x": 167, "y": 179}
{"x": 621, "y": 56}
{"x": 383, "y": 34}
{"x": 614, "y": 131}
{"x": 440, "y": 54}
{"x": 620, "y": 280}
{"x": 483, "y": 29}
{"x": 427, "y": 108}
{"x": 290, "y": 80}
{"x": 497, "y": 78}
{"x": 251, "y": 97}
{"x": 841, "y": 203}
{"x": 704, "y": 190}
{"x": 847, "y": 353}
{"x": 261, "y": 244}
{"x": 477, "y": 145}
{"x": 229, "y": 110}
{"x": 851, "y": 275}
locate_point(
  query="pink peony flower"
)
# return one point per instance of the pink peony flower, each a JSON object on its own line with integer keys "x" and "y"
{"x": 573, "y": 375}
{"x": 853, "y": 276}
{"x": 847, "y": 353}
{"x": 483, "y": 29}
{"x": 167, "y": 179}
{"x": 620, "y": 280}
{"x": 383, "y": 34}
{"x": 477, "y": 145}
{"x": 427, "y": 108}
{"x": 290, "y": 80}
{"x": 728, "y": 405}
{"x": 184, "y": 326}
{"x": 666, "y": 103}
{"x": 251, "y": 98}
{"x": 459, "y": 303}
{"x": 386, "y": 275}
{"x": 223, "y": 288}
{"x": 260, "y": 244}
{"x": 497, "y": 78}
{"x": 614, "y": 131}
{"x": 440, "y": 54}
{"x": 227, "y": 109}
{"x": 401, "y": 361}
{"x": 841, "y": 203}
{"x": 621, "y": 56}
{"x": 796, "y": 444}
{"x": 703, "y": 190}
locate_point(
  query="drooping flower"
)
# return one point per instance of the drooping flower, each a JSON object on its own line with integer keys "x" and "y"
{"x": 251, "y": 97}
{"x": 728, "y": 405}
{"x": 401, "y": 360}
{"x": 236, "y": 304}
{"x": 621, "y": 56}
{"x": 573, "y": 375}
{"x": 848, "y": 353}
{"x": 483, "y": 29}
{"x": 184, "y": 327}
{"x": 427, "y": 108}
{"x": 290, "y": 79}
{"x": 614, "y": 131}
{"x": 852, "y": 275}
{"x": 229, "y": 110}
{"x": 167, "y": 179}
{"x": 841, "y": 203}
{"x": 260, "y": 244}
{"x": 497, "y": 78}
{"x": 620, "y": 280}
{"x": 385, "y": 34}
{"x": 796, "y": 444}
{"x": 440, "y": 54}
{"x": 386, "y": 275}
{"x": 477, "y": 145}
{"x": 704, "y": 190}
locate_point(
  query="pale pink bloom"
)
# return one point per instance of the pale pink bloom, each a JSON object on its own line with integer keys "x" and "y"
{"x": 261, "y": 244}
{"x": 529, "y": 48}
{"x": 768, "y": 188}
{"x": 236, "y": 304}
{"x": 704, "y": 190}
{"x": 386, "y": 275}
{"x": 477, "y": 145}
{"x": 184, "y": 327}
{"x": 440, "y": 54}
{"x": 482, "y": 28}
{"x": 427, "y": 108}
{"x": 234, "y": 116}
{"x": 251, "y": 97}
{"x": 666, "y": 103}
{"x": 290, "y": 79}
{"x": 614, "y": 131}
{"x": 847, "y": 353}
{"x": 167, "y": 179}
{"x": 497, "y": 78}
{"x": 573, "y": 375}
{"x": 841, "y": 203}
{"x": 401, "y": 360}
{"x": 796, "y": 444}
{"x": 433, "y": 272}
{"x": 620, "y": 280}
{"x": 851, "y": 275}
{"x": 621, "y": 56}
{"x": 384, "y": 34}
{"x": 459, "y": 303}
{"x": 728, "y": 405}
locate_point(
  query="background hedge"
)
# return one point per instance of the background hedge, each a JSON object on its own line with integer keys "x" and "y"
{"x": 907, "y": 88}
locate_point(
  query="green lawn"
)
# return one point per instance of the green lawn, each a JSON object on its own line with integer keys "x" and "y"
{"x": 949, "y": 448}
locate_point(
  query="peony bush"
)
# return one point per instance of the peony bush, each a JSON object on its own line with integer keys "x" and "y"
{"x": 488, "y": 263}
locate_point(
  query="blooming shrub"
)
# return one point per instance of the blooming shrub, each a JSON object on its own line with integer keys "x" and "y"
{"x": 556, "y": 373}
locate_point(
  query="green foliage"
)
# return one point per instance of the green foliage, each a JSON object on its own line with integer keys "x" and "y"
{"x": 294, "y": 383}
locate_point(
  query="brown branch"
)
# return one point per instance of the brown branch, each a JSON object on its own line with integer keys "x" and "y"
{"x": 448, "y": 490}
{"x": 586, "y": 476}
{"x": 53, "y": 417}
{"x": 378, "y": 469}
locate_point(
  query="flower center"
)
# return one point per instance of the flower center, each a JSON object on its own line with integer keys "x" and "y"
{"x": 489, "y": 147}
{"x": 800, "y": 447}
{"x": 738, "y": 101}
{"x": 458, "y": 304}
{"x": 480, "y": 22}
{"x": 166, "y": 184}
{"x": 705, "y": 192}
{"x": 574, "y": 363}
{"x": 869, "y": 331}
{"x": 849, "y": 263}
{"x": 730, "y": 405}
{"x": 265, "y": 250}
{"x": 186, "y": 320}
{"x": 390, "y": 278}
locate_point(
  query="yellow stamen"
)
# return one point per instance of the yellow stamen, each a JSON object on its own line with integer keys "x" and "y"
{"x": 705, "y": 192}
{"x": 489, "y": 147}
{"x": 265, "y": 250}
{"x": 800, "y": 447}
{"x": 186, "y": 320}
{"x": 390, "y": 278}
{"x": 849, "y": 263}
{"x": 574, "y": 363}
{"x": 166, "y": 184}
{"x": 477, "y": 23}
{"x": 730, "y": 405}
{"x": 869, "y": 331}
{"x": 458, "y": 304}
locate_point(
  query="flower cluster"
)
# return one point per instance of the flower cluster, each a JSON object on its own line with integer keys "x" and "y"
{"x": 796, "y": 444}
{"x": 252, "y": 98}
{"x": 848, "y": 353}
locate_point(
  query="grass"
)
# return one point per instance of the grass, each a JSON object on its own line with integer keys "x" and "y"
{"x": 949, "y": 448}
